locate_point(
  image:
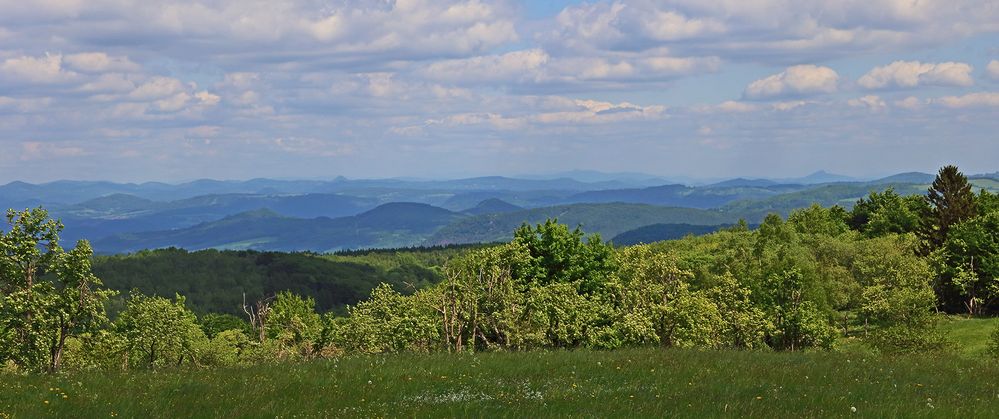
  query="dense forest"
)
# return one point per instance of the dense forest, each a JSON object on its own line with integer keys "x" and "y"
{"x": 221, "y": 281}
{"x": 881, "y": 271}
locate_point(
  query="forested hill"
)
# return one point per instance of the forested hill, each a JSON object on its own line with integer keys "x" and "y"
{"x": 216, "y": 281}
{"x": 389, "y": 225}
{"x": 608, "y": 220}
{"x": 324, "y": 216}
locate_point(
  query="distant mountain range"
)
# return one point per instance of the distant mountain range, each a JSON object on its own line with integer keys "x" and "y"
{"x": 322, "y": 215}
{"x": 389, "y": 225}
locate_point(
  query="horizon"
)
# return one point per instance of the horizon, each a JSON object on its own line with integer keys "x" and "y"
{"x": 190, "y": 89}
{"x": 609, "y": 177}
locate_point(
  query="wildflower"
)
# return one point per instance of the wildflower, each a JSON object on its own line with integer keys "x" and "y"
{"x": 853, "y": 409}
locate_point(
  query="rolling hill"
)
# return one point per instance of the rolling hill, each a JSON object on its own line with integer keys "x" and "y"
{"x": 492, "y": 206}
{"x": 608, "y": 220}
{"x": 389, "y": 225}
{"x": 659, "y": 232}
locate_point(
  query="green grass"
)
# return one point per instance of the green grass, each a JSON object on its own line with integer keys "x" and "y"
{"x": 623, "y": 383}
{"x": 971, "y": 335}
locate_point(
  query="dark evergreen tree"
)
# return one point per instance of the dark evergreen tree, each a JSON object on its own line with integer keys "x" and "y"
{"x": 951, "y": 201}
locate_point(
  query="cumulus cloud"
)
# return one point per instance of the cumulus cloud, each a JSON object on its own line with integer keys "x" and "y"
{"x": 907, "y": 74}
{"x": 253, "y": 29}
{"x": 99, "y": 62}
{"x": 993, "y": 69}
{"x": 794, "y": 81}
{"x": 870, "y": 102}
{"x": 910, "y": 103}
{"x": 449, "y": 76}
{"x": 769, "y": 30}
{"x": 970, "y": 100}
{"x": 536, "y": 66}
{"x": 40, "y": 70}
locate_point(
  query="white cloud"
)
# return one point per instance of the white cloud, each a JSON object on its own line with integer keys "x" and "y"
{"x": 157, "y": 88}
{"x": 769, "y": 30}
{"x": 970, "y": 100}
{"x": 40, "y": 70}
{"x": 38, "y": 150}
{"x": 111, "y": 82}
{"x": 871, "y": 102}
{"x": 796, "y": 80}
{"x": 99, "y": 62}
{"x": 993, "y": 69}
{"x": 906, "y": 74}
{"x": 733, "y": 106}
{"x": 504, "y": 67}
{"x": 911, "y": 103}
{"x": 25, "y": 104}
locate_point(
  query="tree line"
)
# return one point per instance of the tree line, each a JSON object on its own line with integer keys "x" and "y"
{"x": 880, "y": 271}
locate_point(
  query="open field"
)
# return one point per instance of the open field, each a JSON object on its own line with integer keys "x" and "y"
{"x": 637, "y": 382}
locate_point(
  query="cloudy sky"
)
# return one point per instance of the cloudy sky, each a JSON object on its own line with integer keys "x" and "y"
{"x": 170, "y": 90}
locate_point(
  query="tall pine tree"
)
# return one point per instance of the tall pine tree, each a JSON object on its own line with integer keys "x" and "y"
{"x": 951, "y": 201}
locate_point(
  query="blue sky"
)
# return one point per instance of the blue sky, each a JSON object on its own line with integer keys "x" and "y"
{"x": 175, "y": 90}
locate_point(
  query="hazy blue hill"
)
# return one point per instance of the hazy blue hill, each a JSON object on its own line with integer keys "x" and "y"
{"x": 659, "y": 232}
{"x": 655, "y": 195}
{"x": 492, "y": 206}
{"x": 389, "y": 225}
{"x": 842, "y": 194}
{"x": 114, "y": 205}
{"x": 909, "y": 177}
{"x": 703, "y": 197}
{"x": 608, "y": 220}
{"x": 818, "y": 177}
{"x": 63, "y": 192}
{"x": 633, "y": 179}
{"x": 743, "y": 182}
{"x": 526, "y": 199}
{"x": 416, "y": 217}
{"x": 305, "y": 206}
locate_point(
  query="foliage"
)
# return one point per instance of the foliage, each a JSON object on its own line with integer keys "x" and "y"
{"x": 386, "y": 322}
{"x": 293, "y": 321}
{"x": 158, "y": 332}
{"x": 888, "y": 212}
{"x": 951, "y": 202}
{"x": 897, "y": 295}
{"x": 39, "y": 314}
{"x": 217, "y": 281}
{"x": 968, "y": 261}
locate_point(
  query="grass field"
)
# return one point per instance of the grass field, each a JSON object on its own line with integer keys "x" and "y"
{"x": 623, "y": 383}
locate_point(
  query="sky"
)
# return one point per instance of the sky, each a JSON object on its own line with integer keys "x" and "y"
{"x": 129, "y": 90}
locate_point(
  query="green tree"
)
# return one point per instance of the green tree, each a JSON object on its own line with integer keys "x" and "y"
{"x": 897, "y": 295}
{"x": 387, "y": 322}
{"x": 49, "y": 294}
{"x": 158, "y": 332}
{"x": 293, "y": 322}
{"x": 968, "y": 262}
{"x": 558, "y": 255}
{"x": 215, "y": 323}
{"x": 951, "y": 201}
{"x": 888, "y": 212}
{"x": 798, "y": 322}
{"x": 657, "y": 305}
{"x": 818, "y": 220}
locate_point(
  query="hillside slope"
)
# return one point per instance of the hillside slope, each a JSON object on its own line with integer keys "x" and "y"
{"x": 608, "y": 220}
{"x": 389, "y": 225}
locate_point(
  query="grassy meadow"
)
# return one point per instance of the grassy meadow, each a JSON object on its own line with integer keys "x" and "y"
{"x": 623, "y": 383}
